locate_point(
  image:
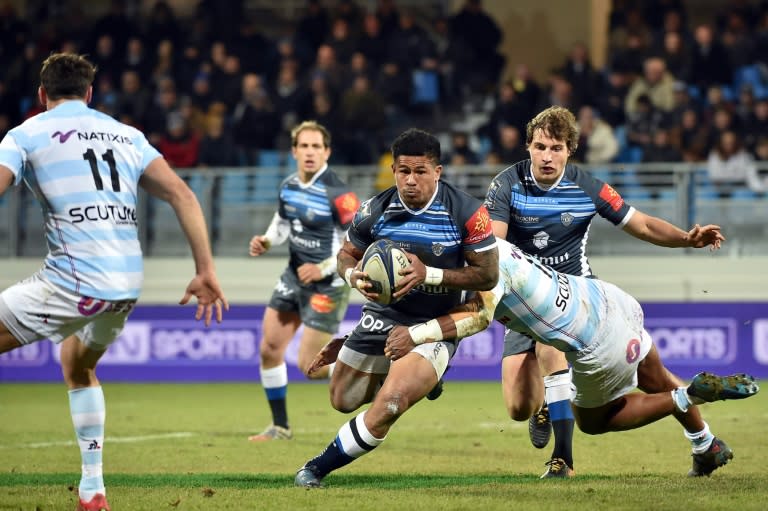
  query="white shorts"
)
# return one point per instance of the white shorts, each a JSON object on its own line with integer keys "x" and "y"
{"x": 607, "y": 369}
{"x": 35, "y": 309}
{"x": 436, "y": 353}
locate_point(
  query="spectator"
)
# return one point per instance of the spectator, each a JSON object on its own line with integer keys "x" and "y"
{"x": 756, "y": 126}
{"x": 676, "y": 56}
{"x": 341, "y": 40}
{"x": 132, "y": 99}
{"x": 479, "y": 34}
{"x": 597, "y": 142}
{"x": 372, "y": 43}
{"x": 579, "y": 72}
{"x": 410, "y": 46}
{"x": 216, "y": 147}
{"x": 643, "y": 122}
{"x": 201, "y": 96}
{"x": 165, "y": 62}
{"x": 508, "y": 111}
{"x": 559, "y": 93}
{"x": 461, "y": 153}
{"x": 509, "y": 149}
{"x": 692, "y": 136}
{"x": 255, "y": 124}
{"x": 312, "y": 28}
{"x": 388, "y": 16}
{"x": 656, "y": 83}
{"x": 611, "y": 95}
{"x": 156, "y": 119}
{"x": 363, "y": 117}
{"x": 526, "y": 87}
{"x": 180, "y": 145}
{"x": 730, "y": 165}
{"x": 327, "y": 65}
{"x": 162, "y": 25}
{"x": 136, "y": 59}
{"x": 710, "y": 62}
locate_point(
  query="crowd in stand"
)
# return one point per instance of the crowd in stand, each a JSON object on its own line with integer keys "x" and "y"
{"x": 212, "y": 89}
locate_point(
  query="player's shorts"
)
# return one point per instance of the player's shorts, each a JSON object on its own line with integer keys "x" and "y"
{"x": 364, "y": 348}
{"x": 321, "y": 305}
{"x": 516, "y": 343}
{"x": 607, "y": 369}
{"x": 36, "y": 309}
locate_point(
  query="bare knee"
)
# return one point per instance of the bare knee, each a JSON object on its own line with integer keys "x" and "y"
{"x": 391, "y": 406}
{"x": 77, "y": 377}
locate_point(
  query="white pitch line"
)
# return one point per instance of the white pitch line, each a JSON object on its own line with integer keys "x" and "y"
{"x": 109, "y": 440}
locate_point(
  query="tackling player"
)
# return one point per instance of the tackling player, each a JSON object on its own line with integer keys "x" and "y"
{"x": 599, "y": 328}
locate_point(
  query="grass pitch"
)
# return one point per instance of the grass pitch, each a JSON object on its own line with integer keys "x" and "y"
{"x": 184, "y": 447}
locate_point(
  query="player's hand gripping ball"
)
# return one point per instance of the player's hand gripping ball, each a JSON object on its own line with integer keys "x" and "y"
{"x": 383, "y": 261}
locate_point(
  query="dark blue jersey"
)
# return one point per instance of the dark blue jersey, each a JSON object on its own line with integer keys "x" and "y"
{"x": 453, "y": 222}
{"x": 319, "y": 212}
{"x": 553, "y": 225}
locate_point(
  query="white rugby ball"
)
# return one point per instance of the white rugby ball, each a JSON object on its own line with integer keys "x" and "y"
{"x": 383, "y": 261}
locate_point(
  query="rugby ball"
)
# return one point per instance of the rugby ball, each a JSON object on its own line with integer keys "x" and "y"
{"x": 382, "y": 262}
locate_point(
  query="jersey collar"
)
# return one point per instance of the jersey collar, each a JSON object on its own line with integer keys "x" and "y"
{"x": 426, "y": 207}
{"x": 314, "y": 178}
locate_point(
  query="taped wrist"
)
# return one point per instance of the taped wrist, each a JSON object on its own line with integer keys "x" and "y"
{"x": 348, "y": 275}
{"x": 426, "y": 332}
{"x": 434, "y": 276}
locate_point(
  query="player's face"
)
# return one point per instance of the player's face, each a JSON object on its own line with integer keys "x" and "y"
{"x": 416, "y": 178}
{"x": 310, "y": 153}
{"x": 548, "y": 157}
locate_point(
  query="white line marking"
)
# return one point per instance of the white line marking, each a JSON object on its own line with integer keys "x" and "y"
{"x": 109, "y": 440}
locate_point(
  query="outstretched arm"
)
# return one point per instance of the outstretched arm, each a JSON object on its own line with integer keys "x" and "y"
{"x": 162, "y": 182}
{"x": 467, "y": 319}
{"x": 662, "y": 233}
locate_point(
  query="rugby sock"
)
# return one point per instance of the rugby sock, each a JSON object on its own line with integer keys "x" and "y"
{"x": 557, "y": 392}
{"x": 275, "y": 383}
{"x": 701, "y": 440}
{"x": 682, "y": 399}
{"x": 88, "y": 412}
{"x": 352, "y": 441}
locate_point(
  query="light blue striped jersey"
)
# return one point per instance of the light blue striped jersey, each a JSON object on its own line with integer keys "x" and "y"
{"x": 83, "y": 166}
{"x": 557, "y": 309}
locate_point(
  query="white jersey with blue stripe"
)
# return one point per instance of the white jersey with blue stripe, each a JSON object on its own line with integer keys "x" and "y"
{"x": 84, "y": 167}
{"x": 553, "y": 308}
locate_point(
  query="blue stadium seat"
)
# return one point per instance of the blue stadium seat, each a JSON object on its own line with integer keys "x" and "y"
{"x": 269, "y": 158}
{"x": 267, "y": 185}
{"x": 235, "y": 187}
{"x": 425, "y": 87}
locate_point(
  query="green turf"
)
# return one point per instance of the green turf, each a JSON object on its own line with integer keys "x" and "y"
{"x": 184, "y": 447}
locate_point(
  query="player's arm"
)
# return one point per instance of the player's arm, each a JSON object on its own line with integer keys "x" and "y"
{"x": 662, "y": 233}
{"x": 6, "y": 178}
{"x": 500, "y": 229}
{"x": 467, "y": 319}
{"x": 160, "y": 181}
{"x": 278, "y": 231}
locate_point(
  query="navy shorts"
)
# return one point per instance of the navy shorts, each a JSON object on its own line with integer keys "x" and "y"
{"x": 321, "y": 305}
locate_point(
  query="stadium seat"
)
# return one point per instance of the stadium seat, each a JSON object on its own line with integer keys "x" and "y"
{"x": 269, "y": 158}
{"x": 267, "y": 185}
{"x": 235, "y": 187}
{"x": 425, "y": 87}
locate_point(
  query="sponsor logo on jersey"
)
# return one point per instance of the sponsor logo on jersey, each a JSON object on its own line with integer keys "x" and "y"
{"x": 304, "y": 243}
{"x": 438, "y": 249}
{"x": 612, "y": 197}
{"x": 63, "y": 137}
{"x": 282, "y": 289}
{"x": 120, "y": 215}
{"x": 541, "y": 240}
{"x": 346, "y": 205}
{"x": 479, "y": 226}
{"x": 322, "y": 304}
{"x": 554, "y": 260}
{"x": 566, "y": 219}
{"x": 373, "y": 324}
{"x": 522, "y": 219}
{"x": 633, "y": 351}
{"x": 104, "y": 137}
{"x": 490, "y": 196}
{"x": 365, "y": 209}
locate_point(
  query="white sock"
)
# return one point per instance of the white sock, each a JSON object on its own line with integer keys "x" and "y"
{"x": 355, "y": 439}
{"x": 681, "y": 399}
{"x": 87, "y": 408}
{"x": 701, "y": 440}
